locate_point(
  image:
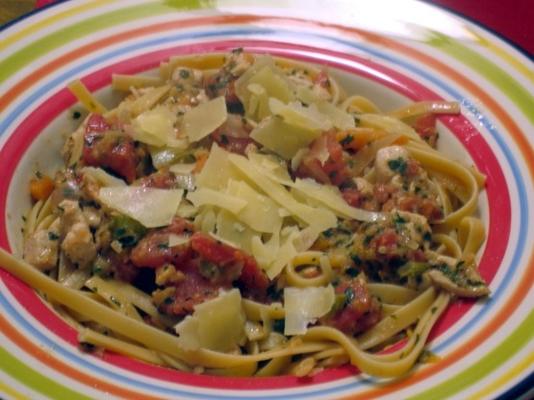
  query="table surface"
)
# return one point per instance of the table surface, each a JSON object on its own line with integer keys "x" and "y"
{"x": 512, "y": 19}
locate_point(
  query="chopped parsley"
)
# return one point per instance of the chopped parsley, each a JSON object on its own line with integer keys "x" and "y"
{"x": 346, "y": 140}
{"x": 184, "y": 74}
{"x": 352, "y": 272}
{"x": 224, "y": 139}
{"x": 398, "y": 165}
{"x": 279, "y": 325}
{"x": 53, "y": 236}
{"x": 349, "y": 295}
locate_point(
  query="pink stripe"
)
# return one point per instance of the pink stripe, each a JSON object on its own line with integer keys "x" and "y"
{"x": 46, "y": 112}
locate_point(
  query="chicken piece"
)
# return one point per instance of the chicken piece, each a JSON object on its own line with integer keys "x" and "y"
{"x": 41, "y": 248}
{"x": 78, "y": 243}
{"x": 389, "y": 161}
{"x": 187, "y": 77}
{"x": 457, "y": 277}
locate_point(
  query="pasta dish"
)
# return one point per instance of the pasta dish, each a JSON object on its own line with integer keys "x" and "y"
{"x": 244, "y": 215}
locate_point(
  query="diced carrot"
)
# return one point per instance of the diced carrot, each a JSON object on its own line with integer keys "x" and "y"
{"x": 201, "y": 160}
{"x": 355, "y": 139}
{"x": 41, "y": 188}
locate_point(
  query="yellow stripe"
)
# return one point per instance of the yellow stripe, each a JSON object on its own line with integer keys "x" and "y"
{"x": 12, "y": 392}
{"x": 42, "y": 24}
{"x": 504, "y": 378}
{"x": 503, "y": 54}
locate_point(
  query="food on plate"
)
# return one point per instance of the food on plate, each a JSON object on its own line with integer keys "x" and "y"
{"x": 269, "y": 221}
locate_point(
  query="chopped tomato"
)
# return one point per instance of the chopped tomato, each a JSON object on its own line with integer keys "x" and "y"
{"x": 109, "y": 149}
{"x": 352, "y": 196}
{"x": 192, "y": 290}
{"x": 424, "y": 206}
{"x": 160, "y": 179}
{"x": 252, "y": 279}
{"x": 386, "y": 242}
{"x": 322, "y": 80}
{"x": 233, "y": 135}
{"x": 333, "y": 170}
{"x": 153, "y": 251}
{"x": 207, "y": 265}
{"x": 425, "y": 126}
{"x": 359, "y": 311}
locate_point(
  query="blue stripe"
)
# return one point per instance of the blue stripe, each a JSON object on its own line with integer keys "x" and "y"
{"x": 220, "y": 33}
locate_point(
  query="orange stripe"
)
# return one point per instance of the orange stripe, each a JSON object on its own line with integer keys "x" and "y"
{"x": 512, "y": 128}
{"x": 47, "y": 359}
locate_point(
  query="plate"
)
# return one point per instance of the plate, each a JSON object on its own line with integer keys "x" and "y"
{"x": 391, "y": 52}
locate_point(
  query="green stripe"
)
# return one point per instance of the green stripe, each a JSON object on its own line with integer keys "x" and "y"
{"x": 34, "y": 380}
{"x": 36, "y": 49}
{"x": 514, "y": 90}
{"x": 493, "y": 360}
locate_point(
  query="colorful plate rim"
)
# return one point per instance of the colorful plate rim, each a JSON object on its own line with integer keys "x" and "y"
{"x": 378, "y": 49}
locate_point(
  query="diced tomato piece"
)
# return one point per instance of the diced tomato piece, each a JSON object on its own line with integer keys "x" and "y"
{"x": 159, "y": 179}
{"x": 386, "y": 242}
{"x": 352, "y": 196}
{"x": 334, "y": 170}
{"x": 383, "y": 191}
{"x": 109, "y": 149}
{"x": 252, "y": 279}
{"x": 322, "y": 80}
{"x": 153, "y": 251}
{"x": 360, "y": 310}
{"x": 232, "y": 144}
{"x": 425, "y": 126}
{"x": 215, "y": 251}
{"x": 192, "y": 290}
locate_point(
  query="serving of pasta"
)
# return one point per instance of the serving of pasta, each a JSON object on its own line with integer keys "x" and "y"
{"x": 243, "y": 215}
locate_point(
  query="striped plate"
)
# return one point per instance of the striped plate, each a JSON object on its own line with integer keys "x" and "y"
{"x": 392, "y": 52}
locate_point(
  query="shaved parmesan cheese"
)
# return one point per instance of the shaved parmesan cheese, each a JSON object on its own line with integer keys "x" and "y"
{"x": 274, "y": 168}
{"x": 263, "y": 253}
{"x": 216, "y": 324}
{"x": 224, "y": 241}
{"x": 145, "y": 102}
{"x": 177, "y": 240}
{"x": 259, "y": 83}
{"x": 339, "y": 118}
{"x": 186, "y": 210}
{"x": 217, "y": 170}
{"x": 230, "y": 229}
{"x": 304, "y": 306}
{"x": 388, "y": 124}
{"x": 296, "y": 114}
{"x": 298, "y": 157}
{"x": 205, "y": 220}
{"x": 163, "y": 156}
{"x": 285, "y": 254}
{"x": 260, "y": 212}
{"x": 319, "y": 218}
{"x": 182, "y": 169}
{"x": 283, "y": 138}
{"x": 102, "y": 177}
{"x": 156, "y": 127}
{"x": 206, "y": 196}
{"x": 202, "y": 120}
{"x": 151, "y": 207}
{"x": 330, "y": 197}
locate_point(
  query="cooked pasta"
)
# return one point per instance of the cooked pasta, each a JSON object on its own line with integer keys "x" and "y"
{"x": 241, "y": 215}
